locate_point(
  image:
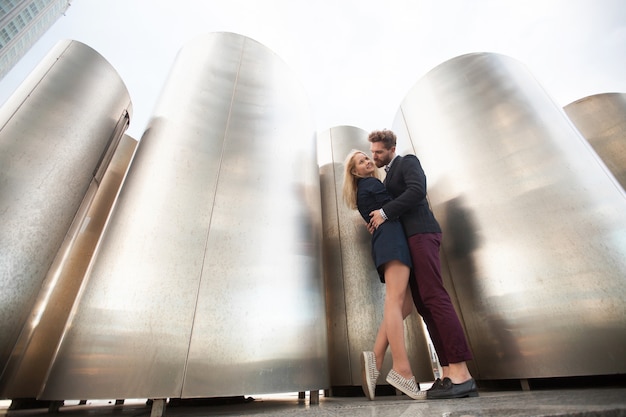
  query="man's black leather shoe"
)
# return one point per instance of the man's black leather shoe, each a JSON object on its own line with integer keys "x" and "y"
{"x": 436, "y": 385}
{"x": 448, "y": 390}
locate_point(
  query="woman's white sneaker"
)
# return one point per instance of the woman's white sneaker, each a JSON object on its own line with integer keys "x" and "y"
{"x": 369, "y": 374}
{"x": 407, "y": 386}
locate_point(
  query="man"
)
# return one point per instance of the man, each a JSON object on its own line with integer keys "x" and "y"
{"x": 406, "y": 182}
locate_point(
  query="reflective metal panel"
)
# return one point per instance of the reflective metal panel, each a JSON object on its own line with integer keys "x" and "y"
{"x": 55, "y": 131}
{"x": 208, "y": 280}
{"x": 37, "y": 344}
{"x": 601, "y": 119}
{"x": 534, "y": 226}
{"x": 355, "y": 295}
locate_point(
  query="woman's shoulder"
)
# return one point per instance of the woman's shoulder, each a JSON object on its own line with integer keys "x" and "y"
{"x": 368, "y": 181}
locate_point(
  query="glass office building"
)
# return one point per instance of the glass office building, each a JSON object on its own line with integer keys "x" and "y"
{"x": 22, "y": 23}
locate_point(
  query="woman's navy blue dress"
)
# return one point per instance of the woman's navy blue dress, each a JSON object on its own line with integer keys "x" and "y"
{"x": 389, "y": 240}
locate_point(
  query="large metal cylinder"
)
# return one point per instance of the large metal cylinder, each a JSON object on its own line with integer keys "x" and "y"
{"x": 36, "y": 346}
{"x": 58, "y": 132}
{"x": 534, "y": 225}
{"x": 208, "y": 280}
{"x": 355, "y": 295}
{"x": 601, "y": 119}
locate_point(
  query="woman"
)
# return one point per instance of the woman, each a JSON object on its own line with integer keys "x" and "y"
{"x": 363, "y": 190}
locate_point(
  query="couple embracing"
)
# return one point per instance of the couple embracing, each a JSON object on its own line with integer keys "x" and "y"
{"x": 405, "y": 247}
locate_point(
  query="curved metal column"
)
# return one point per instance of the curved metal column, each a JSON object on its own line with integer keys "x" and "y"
{"x": 37, "y": 344}
{"x": 355, "y": 296}
{"x": 601, "y": 119}
{"x": 58, "y": 132}
{"x": 208, "y": 280}
{"x": 534, "y": 225}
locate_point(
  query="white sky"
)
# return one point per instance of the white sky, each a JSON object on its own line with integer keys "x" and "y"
{"x": 356, "y": 59}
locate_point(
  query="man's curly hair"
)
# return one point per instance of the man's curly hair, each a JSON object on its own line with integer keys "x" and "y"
{"x": 387, "y": 137}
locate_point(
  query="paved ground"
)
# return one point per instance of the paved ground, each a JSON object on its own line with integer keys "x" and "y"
{"x": 579, "y": 402}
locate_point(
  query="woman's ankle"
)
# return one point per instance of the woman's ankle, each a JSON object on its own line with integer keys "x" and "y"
{"x": 404, "y": 373}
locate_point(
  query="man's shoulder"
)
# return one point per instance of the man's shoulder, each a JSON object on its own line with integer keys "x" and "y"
{"x": 408, "y": 158}
{"x": 410, "y": 166}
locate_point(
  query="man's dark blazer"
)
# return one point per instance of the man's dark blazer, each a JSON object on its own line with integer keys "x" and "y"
{"x": 406, "y": 182}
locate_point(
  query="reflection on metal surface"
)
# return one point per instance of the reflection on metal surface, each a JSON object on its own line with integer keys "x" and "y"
{"x": 355, "y": 295}
{"x": 38, "y": 341}
{"x": 534, "y": 227}
{"x": 601, "y": 119}
{"x": 208, "y": 280}
{"x": 54, "y": 132}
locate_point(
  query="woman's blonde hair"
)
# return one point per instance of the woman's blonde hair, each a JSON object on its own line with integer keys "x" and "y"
{"x": 350, "y": 179}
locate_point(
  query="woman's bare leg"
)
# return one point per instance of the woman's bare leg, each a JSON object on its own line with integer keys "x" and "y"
{"x": 382, "y": 342}
{"x": 396, "y": 283}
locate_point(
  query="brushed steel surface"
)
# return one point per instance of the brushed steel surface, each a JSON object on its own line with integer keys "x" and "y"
{"x": 208, "y": 280}
{"x": 534, "y": 225}
{"x": 55, "y": 130}
{"x": 355, "y": 295}
{"x": 34, "y": 351}
{"x": 601, "y": 119}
